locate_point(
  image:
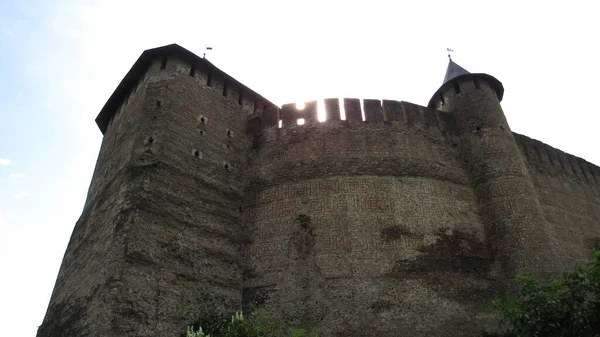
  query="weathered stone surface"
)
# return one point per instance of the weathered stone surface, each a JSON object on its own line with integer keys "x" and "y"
{"x": 403, "y": 228}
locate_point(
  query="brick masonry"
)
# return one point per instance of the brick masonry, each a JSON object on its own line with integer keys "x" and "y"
{"x": 405, "y": 223}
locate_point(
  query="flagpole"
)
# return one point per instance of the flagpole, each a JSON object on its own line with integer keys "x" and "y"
{"x": 207, "y": 48}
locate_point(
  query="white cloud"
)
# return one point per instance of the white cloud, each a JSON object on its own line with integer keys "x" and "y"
{"x": 13, "y": 177}
{"x": 5, "y": 162}
{"x": 20, "y": 195}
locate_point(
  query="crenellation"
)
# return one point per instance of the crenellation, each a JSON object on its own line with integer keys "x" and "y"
{"x": 546, "y": 164}
{"x": 392, "y": 111}
{"x": 412, "y": 115}
{"x": 373, "y": 111}
{"x": 353, "y": 110}
{"x": 289, "y": 114}
{"x": 564, "y": 163}
{"x": 309, "y": 113}
{"x": 591, "y": 168}
{"x": 531, "y": 154}
{"x": 584, "y": 170}
{"x": 595, "y": 172}
{"x": 553, "y": 155}
{"x": 573, "y": 162}
{"x": 332, "y": 109}
{"x": 430, "y": 119}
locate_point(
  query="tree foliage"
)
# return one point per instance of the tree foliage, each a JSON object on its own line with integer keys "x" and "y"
{"x": 569, "y": 307}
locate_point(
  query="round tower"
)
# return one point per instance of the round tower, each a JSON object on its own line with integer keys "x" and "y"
{"x": 514, "y": 221}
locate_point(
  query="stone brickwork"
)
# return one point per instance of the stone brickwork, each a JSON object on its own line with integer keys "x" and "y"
{"x": 397, "y": 220}
{"x": 569, "y": 192}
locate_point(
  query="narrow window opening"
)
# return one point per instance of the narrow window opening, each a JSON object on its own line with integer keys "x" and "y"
{"x": 241, "y": 98}
{"x": 158, "y": 103}
{"x": 456, "y": 87}
{"x": 196, "y": 153}
{"x": 193, "y": 70}
{"x": 255, "y": 106}
{"x": 228, "y": 146}
{"x": 163, "y": 63}
{"x": 209, "y": 79}
{"x": 203, "y": 120}
{"x": 202, "y": 132}
{"x": 476, "y": 82}
{"x": 150, "y": 140}
{"x": 225, "y": 89}
{"x": 229, "y": 133}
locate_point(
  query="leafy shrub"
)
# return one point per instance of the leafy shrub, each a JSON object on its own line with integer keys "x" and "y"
{"x": 567, "y": 308}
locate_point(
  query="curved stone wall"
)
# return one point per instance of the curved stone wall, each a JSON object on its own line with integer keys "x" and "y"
{"x": 366, "y": 229}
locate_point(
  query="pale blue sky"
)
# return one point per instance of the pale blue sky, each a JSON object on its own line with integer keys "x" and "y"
{"x": 61, "y": 60}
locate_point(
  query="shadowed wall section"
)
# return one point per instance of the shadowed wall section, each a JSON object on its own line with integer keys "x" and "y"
{"x": 163, "y": 215}
{"x": 367, "y": 228}
{"x": 569, "y": 191}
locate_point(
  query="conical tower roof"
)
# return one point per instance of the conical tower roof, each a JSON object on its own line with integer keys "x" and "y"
{"x": 454, "y": 70}
{"x": 456, "y": 73}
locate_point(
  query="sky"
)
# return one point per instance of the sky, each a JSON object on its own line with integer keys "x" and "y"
{"x": 61, "y": 60}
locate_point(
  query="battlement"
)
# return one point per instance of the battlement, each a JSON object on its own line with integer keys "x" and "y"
{"x": 354, "y": 111}
{"x": 549, "y": 160}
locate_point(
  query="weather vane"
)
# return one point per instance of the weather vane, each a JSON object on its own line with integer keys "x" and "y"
{"x": 205, "y": 50}
{"x": 449, "y": 52}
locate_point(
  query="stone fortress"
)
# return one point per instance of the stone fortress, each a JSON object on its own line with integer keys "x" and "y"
{"x": 399, "y": 220}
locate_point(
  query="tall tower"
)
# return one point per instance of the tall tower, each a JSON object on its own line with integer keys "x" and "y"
{"x": 163, "y": 214}
{"x": 513, "y": 217}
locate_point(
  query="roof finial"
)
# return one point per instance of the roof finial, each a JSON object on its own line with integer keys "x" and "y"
{"x": 207, "y": 48}
{"x": 449, "y": 51}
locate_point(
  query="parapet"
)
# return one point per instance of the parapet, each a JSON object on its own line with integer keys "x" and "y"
{"x": 353, "y": 111}
{"x": 546, "y": 159}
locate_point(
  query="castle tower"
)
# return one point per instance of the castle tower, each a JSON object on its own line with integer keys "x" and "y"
{"x": 162, "y": 222}
{"x": 513, "y": 217}
{"x": 396, "y": 220}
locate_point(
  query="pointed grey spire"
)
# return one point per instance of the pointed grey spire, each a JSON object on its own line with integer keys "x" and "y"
{"x": 454, "y": 70}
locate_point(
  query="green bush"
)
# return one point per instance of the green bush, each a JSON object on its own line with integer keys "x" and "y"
{"x": 566, "y": 308}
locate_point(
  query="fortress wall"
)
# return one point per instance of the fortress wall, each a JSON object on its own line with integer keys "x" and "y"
{"x": 569, "y": 190}
{"x": 359, "y": 221}
{"x": 188, "y": 223}
{"x": 118, "y": 142}
{"x": 162, "y": 219}
{"x": 91, "y": 266}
